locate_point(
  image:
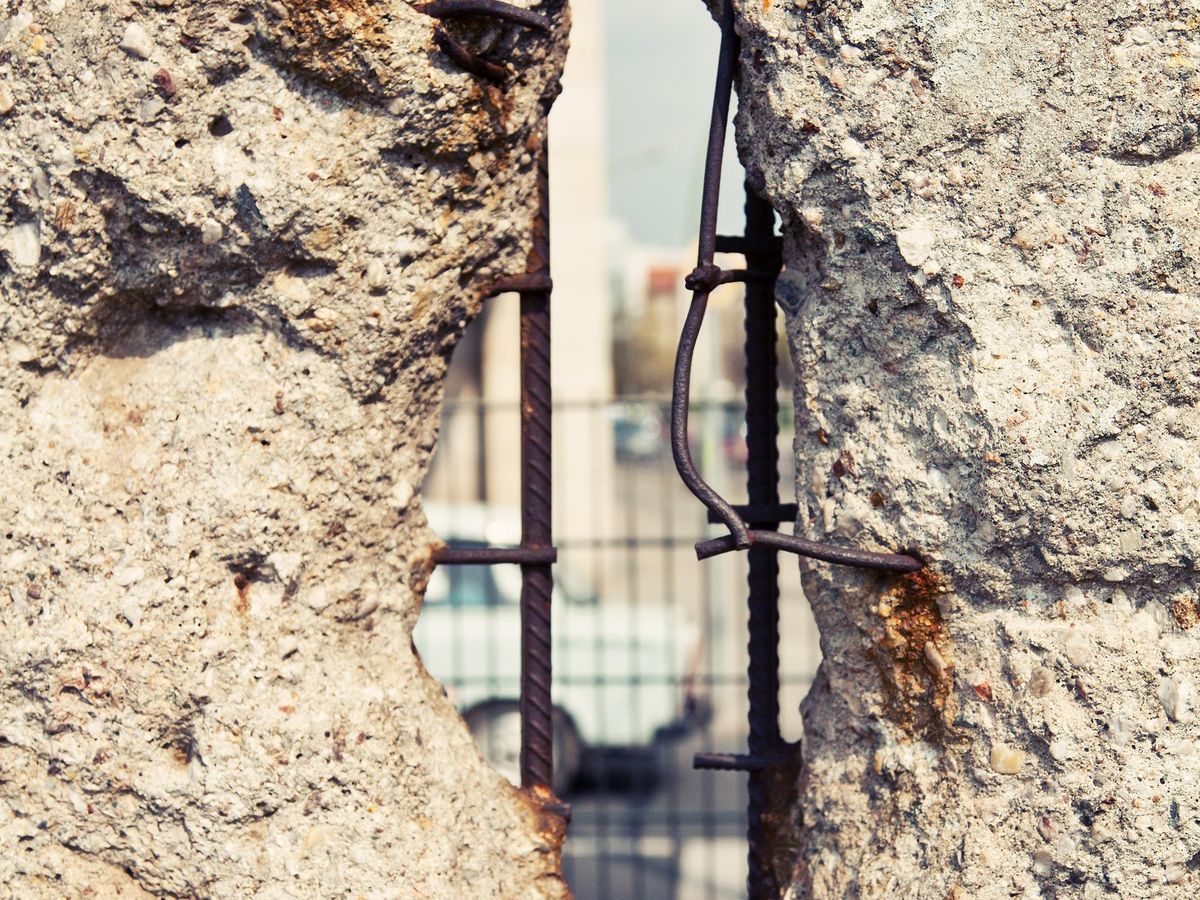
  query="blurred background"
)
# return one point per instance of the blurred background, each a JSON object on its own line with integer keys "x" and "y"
{"x": 650, "y": 653}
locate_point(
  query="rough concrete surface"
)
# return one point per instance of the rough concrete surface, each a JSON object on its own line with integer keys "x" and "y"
{"x": 993, "y": 234}
{"x": 237, "y": 243}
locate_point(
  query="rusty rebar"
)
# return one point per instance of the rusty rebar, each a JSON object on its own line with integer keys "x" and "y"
{"x": 495, "y": 9}
{"x": 467, "y": 60}
{"x": 731, "y": 762}
{"x": 762, "y": 486}
{"x": 536, "y": 553}
{"x": 492, "y": 556}
{"x": 763, "y": 510}
{"x": 680, "y": 449}
{"x": 537, "y": 704}
{"x": 842, "y": 556}
{"x": 529, "y": 281}
{"x": 706, "y": 277}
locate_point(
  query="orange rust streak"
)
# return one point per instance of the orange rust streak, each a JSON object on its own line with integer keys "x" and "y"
{"x": 549, "y": 821}
{"x": 917, "y": 696}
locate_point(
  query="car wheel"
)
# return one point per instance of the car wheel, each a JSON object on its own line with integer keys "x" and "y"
{"x": 497, "y": 730}
{"x": 568, "y": 753}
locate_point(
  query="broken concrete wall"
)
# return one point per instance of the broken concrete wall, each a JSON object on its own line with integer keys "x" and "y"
{"x": 238, "y": 242}
{"x": 992, "y": 253}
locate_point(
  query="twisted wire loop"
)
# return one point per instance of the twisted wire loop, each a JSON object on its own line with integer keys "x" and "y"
{"x": 493, "y": 9}
{"x": 706, "y": 277}
{"x": 702, "y": 282}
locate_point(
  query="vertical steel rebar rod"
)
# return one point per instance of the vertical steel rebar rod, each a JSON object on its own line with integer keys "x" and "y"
{"x": 536, "y": 554}
{"x": 537, "y": 582}
{"x": 762, "y": 482}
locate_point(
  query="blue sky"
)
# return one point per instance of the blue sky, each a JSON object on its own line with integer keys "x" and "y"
{"x": 662, "y": 57}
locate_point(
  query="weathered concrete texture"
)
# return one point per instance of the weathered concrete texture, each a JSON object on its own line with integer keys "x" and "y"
{"x": 993, "y": 234}
{"x": 238, "y": 242}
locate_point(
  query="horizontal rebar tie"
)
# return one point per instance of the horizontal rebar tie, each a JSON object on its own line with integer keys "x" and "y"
{"x": 528, "y": 282}
{"x": 491, "y": 556}
{"x": 734, "y": 762}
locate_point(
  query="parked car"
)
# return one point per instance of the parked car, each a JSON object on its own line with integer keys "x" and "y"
{"x": 624, "y": 674}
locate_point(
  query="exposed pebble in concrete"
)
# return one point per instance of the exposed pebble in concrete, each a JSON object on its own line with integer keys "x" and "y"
{"x": 1007, "y": 760}
{"x": 1176, "y": 696}
{"x": 211, "y": 231}
{"x": 1040, "y": 682}
{"x": 149, "y": 109}
{"x": 136, "y": 42}
{"x": 933, "y": 658}
{"x": 1078, "y": 648}
{"x": 1176, "y": 872}
{"x": 377, "y": 275}
{"x": 916, "y": 242}
{"x": 26, "y": 244}
{"x": 1061, "y": 749}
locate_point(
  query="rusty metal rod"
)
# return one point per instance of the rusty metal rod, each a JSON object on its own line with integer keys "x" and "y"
{"x": 844, "y": 556}
{"x": 491, "y": 556}
{"x": 681, "y": 387}
{"x": 762, "y": 580}
{"x": 444, "y": 9}
{"x": 763, "y": 252}
{"x": 708, "y": 278}
{"x": 731, "y": 762}
{"x": 537, "y": 579}
{"x": 529, "y": 281}
{"x": 467, "y": 60}
{"x": 703, "y": 280}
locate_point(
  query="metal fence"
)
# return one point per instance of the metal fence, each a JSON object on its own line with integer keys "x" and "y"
{"x": 649, "y": 645}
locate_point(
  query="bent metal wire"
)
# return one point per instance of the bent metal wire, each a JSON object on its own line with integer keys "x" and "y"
{"x": 753, "y": 526}
{"x": 470, "y": 62}
{"x": 702, "y": 282}
{"x": 537, "y": 553}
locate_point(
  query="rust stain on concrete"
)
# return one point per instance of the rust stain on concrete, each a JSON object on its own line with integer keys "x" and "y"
{"x": 914, "y": 656}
